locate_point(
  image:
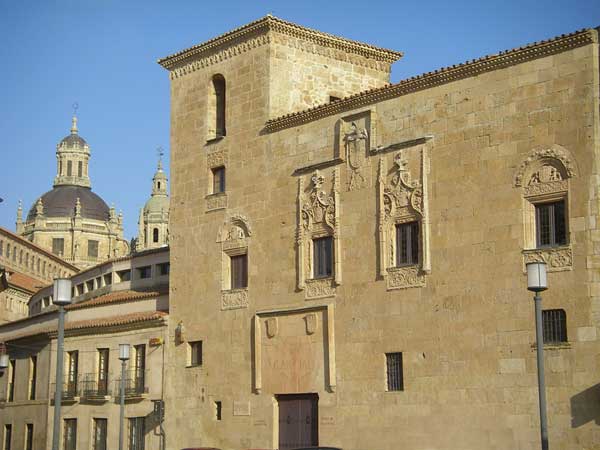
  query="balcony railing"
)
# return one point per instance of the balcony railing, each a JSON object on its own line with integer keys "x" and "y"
{"x": 95, "y": 387}
{"x": 70, "y": 390}
{"x": 135, "y": 384}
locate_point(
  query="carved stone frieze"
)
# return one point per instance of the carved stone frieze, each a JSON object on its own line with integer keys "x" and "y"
{"x": 405, "y": 277}
{"x": 545, "y": 188}
{"x": 216, "y": 201}
{"x": 552, "y": 161}
{"x": 216, "y": 158}
{"x": 234, "y": 299}
{"x": 320, "y": 288}
{"x": 556, "y": 259}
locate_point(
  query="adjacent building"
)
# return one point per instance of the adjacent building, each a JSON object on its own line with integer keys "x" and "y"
{"x": 24, "y": 269}
{"x": 122, "y": 301}
{"x": 349, "y": 255}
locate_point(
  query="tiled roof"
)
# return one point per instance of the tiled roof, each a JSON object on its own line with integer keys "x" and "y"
{"x": 114, "y": 297}
{"x": 437, "y": 77}
{"x": 25, "y": 282}
{"x": 149, "y": 318}
{"x": 285, "y": 27}
{"x": 37, "y": 248}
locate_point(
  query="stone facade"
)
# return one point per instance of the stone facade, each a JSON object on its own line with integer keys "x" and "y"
{"x": 465, "y": 153}
{"x": 71, "y": 220}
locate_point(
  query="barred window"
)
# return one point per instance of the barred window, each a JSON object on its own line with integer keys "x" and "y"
{"x": 395, "y": 375}
{"x": 136, "y": 433}
{"x": 551, "y": 229}
{"x": 100, "y": 433}
{"x": 70, "y": 434}
{"x": 407, "y": 243}
{"x": 554, "y": 324}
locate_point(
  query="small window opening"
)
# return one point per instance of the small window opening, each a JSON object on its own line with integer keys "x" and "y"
{"x": 395, "y": 375}
{"x": 218, "y": 410}
{"x": 218, "y": 180}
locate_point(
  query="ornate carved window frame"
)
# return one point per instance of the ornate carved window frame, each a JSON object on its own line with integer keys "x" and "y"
{"x": 402, "y": 200}
{"x": 318, "y": 216}
{"x": 234, "y": 237}
{"x": 544, "y": 176}
{"x": 215, "y": 159}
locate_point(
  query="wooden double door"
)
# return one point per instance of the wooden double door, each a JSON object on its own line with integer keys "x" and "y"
{"x": 298, "y": 421}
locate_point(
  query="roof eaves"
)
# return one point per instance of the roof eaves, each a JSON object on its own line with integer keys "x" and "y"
{"x": 437, "y": 77}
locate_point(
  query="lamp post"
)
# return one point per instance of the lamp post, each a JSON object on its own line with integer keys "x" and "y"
{"x": 123, "y": 356}
{"x": 537, "y": 282}
{"x": 62, "y": 297}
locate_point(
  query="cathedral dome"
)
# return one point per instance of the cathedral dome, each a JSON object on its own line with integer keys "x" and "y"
{"x": 73, "y": 141}
{"x": 156, "y": 204}
{"x": 60, "y": 202}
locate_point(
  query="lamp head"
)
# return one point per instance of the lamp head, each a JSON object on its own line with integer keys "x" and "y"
{"x": 62, "y": 291}
{"x": 3, "y": 361}
{"x": 123, "y": 352}
{"x": 536, "y": 276}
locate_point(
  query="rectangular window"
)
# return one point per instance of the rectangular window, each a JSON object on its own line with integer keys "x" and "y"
{"x": 196, "y": 353}
{"x": 103, "y": 354}
{"x": 108, "y": 279}
{"x": 89, "y": 285}
{"x": 407, "y": 244}
{"x": 136, "y": 433}
{"x": 218, "y": 180}
{"x": 239, "y": 271}
{"x": 218, "y": 410}
{"x": 144, "y": 272}
{"x": 395, "y": 376}
{"x": 69, "y": 168}
{"x": 32, "y": 376}
{"x": 100, "y": 433}
{"x": 164, "y": 269}
{"x": 139, "y": 368}
{"x": 554, "y": 325}
{"x": 72, "y": 373}
{"x": 550, "y": 224}
{"x": 29, "y": 436}
{"x": 12, "y": 365}
{"x": 323, "y": 257}
{"x": 70, "y": 434}
{"x": 7, "y": 437}
{"x": 92, "y": 249}
{"x": 124, "y": 275}
{"x": 79, "y": 169}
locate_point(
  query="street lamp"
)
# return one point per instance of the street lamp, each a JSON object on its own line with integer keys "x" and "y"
{"x": 124, "y": 357}
{"x": 538, "y": 282}
{"x": 3, "y": 361}
{"x": 62, "y": 297}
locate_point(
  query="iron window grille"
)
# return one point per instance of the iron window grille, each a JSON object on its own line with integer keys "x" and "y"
{"x": 70, "y": 434}
{"x": 136, "y": 433}
{"x": 407, "y": 244}
{"x": 323, "y": 257}
{"x": 554, "y": 325}
{"x": 395, "y": 375}
{"x": 550, "y": 220}
{"x": 100, "y": 433}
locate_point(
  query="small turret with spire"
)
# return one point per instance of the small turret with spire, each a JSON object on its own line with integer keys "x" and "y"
{"x": 20, "y": 218}
{"x": 72, "y": 155}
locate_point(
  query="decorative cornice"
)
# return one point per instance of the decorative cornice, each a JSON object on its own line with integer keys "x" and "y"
{"x": 271, "y": 23}
{"x": 320, "y": 165}
{"x": 438, "y": 77}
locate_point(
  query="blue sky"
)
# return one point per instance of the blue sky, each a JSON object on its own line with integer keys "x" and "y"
{"x": 102, "y": 54}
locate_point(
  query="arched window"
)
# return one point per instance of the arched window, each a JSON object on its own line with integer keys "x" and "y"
{"x": 216, "y": 108}
{"x": 159, "y": 185}
{"x": 155, "y": 235}
{"x": 80, "y": 169}
{"x": 69, "y": 168}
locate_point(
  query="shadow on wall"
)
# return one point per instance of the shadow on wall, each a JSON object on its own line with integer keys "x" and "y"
{"x": 585, "y": 407}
